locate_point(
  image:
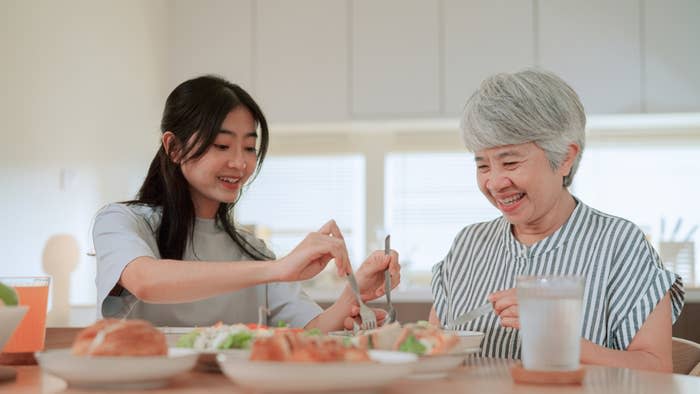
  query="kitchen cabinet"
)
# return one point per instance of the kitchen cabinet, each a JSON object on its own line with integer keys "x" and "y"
{"x": 341, "y": 60}
{"x": 483, "y": 37}
{"x": 395, "y": 58}
{"x": 672, "y": 55}
{"x": 210, "y": 37}
{"x": 595, "y": 46}
{"x": 301, "y": 60}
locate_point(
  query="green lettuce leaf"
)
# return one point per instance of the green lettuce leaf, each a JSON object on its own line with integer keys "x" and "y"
{"x": 412, "y": 345}
{"x": 239, "y": 340}
{"x": 188, "y": 339}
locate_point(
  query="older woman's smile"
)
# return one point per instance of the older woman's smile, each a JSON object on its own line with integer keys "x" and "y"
{"x": 512, "y": 199}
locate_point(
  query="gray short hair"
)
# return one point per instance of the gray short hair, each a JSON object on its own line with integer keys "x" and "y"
{"x": 528, "y": 106}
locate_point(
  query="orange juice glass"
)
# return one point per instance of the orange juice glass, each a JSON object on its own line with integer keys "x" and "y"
{"x": 34, "y": 292}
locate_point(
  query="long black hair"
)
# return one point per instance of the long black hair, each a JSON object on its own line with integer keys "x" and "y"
{"x": 194, "y": 112}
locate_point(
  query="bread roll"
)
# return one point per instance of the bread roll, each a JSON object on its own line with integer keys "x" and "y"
{"x": 114, "y": 337}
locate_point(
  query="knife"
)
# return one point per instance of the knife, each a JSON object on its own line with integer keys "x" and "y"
{"x": 471, "y": 315}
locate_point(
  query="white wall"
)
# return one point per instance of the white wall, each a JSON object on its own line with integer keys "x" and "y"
{"x": 82, "y": 91}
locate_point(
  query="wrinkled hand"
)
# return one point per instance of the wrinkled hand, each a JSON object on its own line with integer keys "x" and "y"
{"x": 370, "y": 275}
{"x": 505, "y": 305}
{"x": 355, "y": 317}
{"x": 313, "y": 253}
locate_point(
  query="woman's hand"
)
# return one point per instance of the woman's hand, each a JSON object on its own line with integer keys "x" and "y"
{"x": 355, "y": 317}
{"x": 370, "y": 275}
{"x": 505, "y": 304}
{"x": 313, "y": 254}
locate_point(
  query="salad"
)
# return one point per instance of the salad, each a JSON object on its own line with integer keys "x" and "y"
{"x": 420, "y": 338}
{"x": 235, "y": 336}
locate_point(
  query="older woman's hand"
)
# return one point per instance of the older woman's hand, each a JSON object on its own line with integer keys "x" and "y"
{"x": 370, "y": 275}
{"x": 505, "y": 304}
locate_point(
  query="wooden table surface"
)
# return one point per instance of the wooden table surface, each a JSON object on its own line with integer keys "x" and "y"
{"x": 479, "y": 375}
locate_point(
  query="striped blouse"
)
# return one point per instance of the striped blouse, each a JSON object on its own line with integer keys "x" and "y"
{"x": 624, "y": 276}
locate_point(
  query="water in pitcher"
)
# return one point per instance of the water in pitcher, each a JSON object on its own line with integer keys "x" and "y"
{"x": 550, "y": 323}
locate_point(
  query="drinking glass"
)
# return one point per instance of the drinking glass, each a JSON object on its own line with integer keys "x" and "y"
{"x": 32, "y": 291}
{"x": 550, "y": 321}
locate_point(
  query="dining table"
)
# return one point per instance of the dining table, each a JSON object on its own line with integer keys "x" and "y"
{"x": 477, "y": 375}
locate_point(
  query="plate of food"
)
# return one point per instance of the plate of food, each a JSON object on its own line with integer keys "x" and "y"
{"x": 303, "y": 363}
{"x": 118, "y": 354}
{"x": 234, "y": 340}
{"x": 438, "y": 351}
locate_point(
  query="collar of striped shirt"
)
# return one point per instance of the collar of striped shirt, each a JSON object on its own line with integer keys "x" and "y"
{"x": 572, "y": 227}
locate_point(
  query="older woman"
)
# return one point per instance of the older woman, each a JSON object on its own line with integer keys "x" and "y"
{"x": 528, "y": 133}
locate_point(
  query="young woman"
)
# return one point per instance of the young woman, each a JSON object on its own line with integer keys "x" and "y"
{"x": 174, "y": 256}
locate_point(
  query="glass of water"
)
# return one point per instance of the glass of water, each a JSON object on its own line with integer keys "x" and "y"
{"x": 550, "y": 321}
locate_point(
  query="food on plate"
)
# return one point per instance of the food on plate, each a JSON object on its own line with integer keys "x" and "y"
{"x": 420, "y": 338}
{"x": 299, "y": 347}
{"x": 8, "y": 295}
{"x": 235, "y": 336}
{"x": 115, "y": 337}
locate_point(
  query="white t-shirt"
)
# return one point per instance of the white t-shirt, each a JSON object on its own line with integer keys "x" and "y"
{"x": 122, "y": 233}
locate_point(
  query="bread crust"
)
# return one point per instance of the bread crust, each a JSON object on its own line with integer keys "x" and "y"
{"x": 114, "y": 337}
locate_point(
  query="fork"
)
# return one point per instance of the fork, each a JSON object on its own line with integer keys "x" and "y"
{"x": 391, "y": 314}
{"x": 369, "y": 321}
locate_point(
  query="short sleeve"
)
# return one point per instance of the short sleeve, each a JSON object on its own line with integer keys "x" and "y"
{"x": 439, "y": 286}
{"x": 287, "y": 302}
{"x": 638, "y": 284}
{"x": 118, "y": 241}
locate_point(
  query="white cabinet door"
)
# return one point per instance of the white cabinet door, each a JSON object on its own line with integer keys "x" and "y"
{"x": 672, "y": 55}
{"x": 395, "y": 58}
{"x": 301, "y": 60}
{"x": 210, "y": 37}
{"x": 595, "y": 46}
{"x": 484, "y": 37}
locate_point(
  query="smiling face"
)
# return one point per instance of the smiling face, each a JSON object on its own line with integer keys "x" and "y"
{"x": 520, "y": 182}
{"x": 218, "y": 175}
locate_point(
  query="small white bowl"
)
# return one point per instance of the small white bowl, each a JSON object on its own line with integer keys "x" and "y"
{"x": 468, "y": 340}
{"x": 10, "y": 316}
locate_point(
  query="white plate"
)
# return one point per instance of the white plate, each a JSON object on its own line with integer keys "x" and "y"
{"x": 319, "y": 377}
{"x": 207, "y": 359}
{"x": 467, "y": 339}
{"x": 116, "y": 372}
{"x": 438, "y": 366}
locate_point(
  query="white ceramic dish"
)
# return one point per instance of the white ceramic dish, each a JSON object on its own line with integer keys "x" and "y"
{"x": 207, "y": 360}
{"x": 468, "y": 340}
{"x": 319, "y": 377}
{"x": 438, "y": 366}
{"x": 116, "y": 372}
{"x": 10, "y": 317}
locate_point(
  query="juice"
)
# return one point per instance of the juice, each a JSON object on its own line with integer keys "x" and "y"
{"x": 29, "y": 335}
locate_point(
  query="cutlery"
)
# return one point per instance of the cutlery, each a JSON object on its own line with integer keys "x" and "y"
{"x": 369, "y": 320}
{"x": 675, "y": 229}
{"x": 662, "y": 229}
{"x": 391, "y": 315}
{"x": 471, "y": 315}
{"x": 690, "y": 234}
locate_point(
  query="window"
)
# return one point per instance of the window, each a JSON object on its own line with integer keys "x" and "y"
{"x": 430, "y": 191}
{"x": 294, "y": 195}
{"x": 429, "y": 198}
{"x": 648, "y": 183}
